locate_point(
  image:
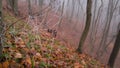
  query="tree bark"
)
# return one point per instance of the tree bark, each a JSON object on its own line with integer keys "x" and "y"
{"x": 87, "y": 26}
{"x": 15, "y": 7}
{"x": 29, "y": 8}
{"x": 1, "y": 28}
{"x": 114, "y": 51}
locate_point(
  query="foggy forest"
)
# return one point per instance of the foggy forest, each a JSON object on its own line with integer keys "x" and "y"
{"x": 59, "y": 33}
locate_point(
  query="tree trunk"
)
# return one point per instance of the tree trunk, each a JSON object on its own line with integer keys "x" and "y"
{"x": 1, "y": 28}
{"x": 87, "y": 26}
{"x": 29, "y": 8}
{"x": 114, "y": 51}
{"x": 13, "y": 5}
{"x": 61, "y": 15}
{"x": 40, "y": 10}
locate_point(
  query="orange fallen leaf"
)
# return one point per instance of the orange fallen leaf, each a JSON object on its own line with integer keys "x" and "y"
{"x": 0, "y": 65}
{"x": 28, "y": 60}
{"x": 5, "y": 64}
{"x": 13, "y": 64}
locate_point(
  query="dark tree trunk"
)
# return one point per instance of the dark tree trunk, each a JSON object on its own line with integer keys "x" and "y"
{"x": 15, "y": 7}
{"x": 87, "y": 26}
{"x": 114, "y": 51}
{"x": 29, "y": 8}
{"x": 1, "y": 30}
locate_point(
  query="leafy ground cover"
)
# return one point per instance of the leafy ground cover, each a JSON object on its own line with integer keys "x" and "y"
{"x": 23, "y": 49}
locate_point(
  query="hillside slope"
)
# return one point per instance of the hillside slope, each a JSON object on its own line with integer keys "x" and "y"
{"x": 24, "y": 49}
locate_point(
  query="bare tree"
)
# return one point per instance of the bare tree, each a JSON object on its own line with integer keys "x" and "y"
{"x": 40, "y": 10}
{"x": 72, "y": 11}
{"x": 13, "y": 4}
{"x": 87, "y": 26}
{"x": 95, "y": 23}
{"x": 1, "y": 29}
{"x": 61, "y": 15}
{"x": 29, "y": 8}
{"x": 115, "y": 50}
{"x": 110, "y": 11}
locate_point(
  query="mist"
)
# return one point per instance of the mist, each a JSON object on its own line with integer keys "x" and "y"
{"x": 67, "y": 18}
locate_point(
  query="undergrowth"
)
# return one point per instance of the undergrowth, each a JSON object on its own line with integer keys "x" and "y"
{"x": 26, "y": 50}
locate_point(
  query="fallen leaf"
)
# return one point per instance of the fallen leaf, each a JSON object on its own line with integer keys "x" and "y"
{"x": 32, "y": 51}
{"x": 28, "y": 60}
{"x": 19, "y": 42}
{"x": 83, "y": 62}
{"x": 77, "y": 65}
{"x": 38, "y": 57}
{"x": 5, "y": 64}
{"x": 13, "y": 64}
{"x": 18, "y": 55}
{"x": 44, "y": 59}
{"x": 0, "y": 65}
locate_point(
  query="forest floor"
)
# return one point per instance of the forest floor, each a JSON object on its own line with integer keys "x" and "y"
{"x": 24, "y": 49}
